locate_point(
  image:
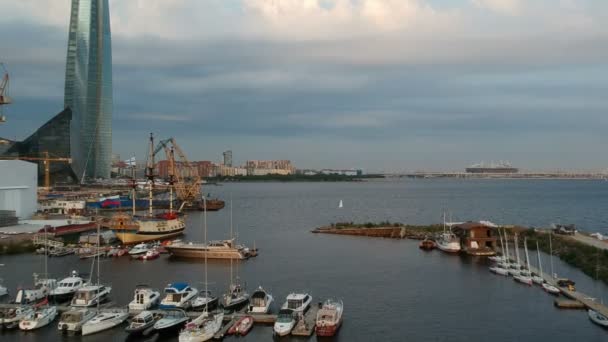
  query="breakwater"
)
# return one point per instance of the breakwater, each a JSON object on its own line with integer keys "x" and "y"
{"x": 382, "y": 230}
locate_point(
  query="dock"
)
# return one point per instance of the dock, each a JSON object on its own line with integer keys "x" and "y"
{"x": 306, "y": 324}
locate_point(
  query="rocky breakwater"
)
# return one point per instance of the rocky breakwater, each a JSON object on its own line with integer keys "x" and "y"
{"x": 382, "y": 229}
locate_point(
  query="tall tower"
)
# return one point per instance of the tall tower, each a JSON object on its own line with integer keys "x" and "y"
{"x": 228, "y": 158}
{"x": 88, "y": 88}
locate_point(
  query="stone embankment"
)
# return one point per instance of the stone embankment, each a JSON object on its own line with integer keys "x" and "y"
{"x": 394, "y": 231}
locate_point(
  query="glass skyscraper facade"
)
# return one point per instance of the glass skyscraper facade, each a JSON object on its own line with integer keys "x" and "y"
{"x": 88, "y": 88}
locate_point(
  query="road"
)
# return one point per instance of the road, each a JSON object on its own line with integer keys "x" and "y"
{"x": 590, "y": 241}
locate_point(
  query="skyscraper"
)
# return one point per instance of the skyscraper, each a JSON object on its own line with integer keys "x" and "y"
{"x": 88, "y": 88}
{"x": 227, "y": 158}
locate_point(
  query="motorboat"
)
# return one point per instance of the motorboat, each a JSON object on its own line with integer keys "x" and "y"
{"x": 67, "y": 287}
{"x": 90, "y": 295}
{"x": 242, "y": 326}
{"x": 598, "y": 318}
{"x": 286, "y": 320}
{"x": 140, "y": 248}
{"x": 40, "y": 318}
{"x": 149, "y": 255}
{"x": 550, "y": 288}
{"x": 178, "y": 295}
{"x": 236, "y": 297}
{"x": 204, "y": 300}
{"x": 12, "y": 317}
{"x": 329, "y": 318}
{"x": 260, "y": 301}
{"x": 72, "y": 320}
{"x": 298, "y": 302}
{"x": 202, "y": 328}
{"x": 144, "y": 298}
{"x": 42, "y": 288}
{"x": 427, "y": 244}
{"x": 145, "y": 320}
{"x": 104, "y": 320}
{"x": 172, "y": 319}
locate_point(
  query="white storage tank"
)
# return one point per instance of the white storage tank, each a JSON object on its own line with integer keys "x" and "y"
{"x": 18, "y": 187}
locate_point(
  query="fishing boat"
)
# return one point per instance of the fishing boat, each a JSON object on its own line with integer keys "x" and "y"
{"x": 242, "y": 326}
{"x": 524, "y": 276}
{"x": 329, "y": 318}
{"x": 149, "y": 255}
{"x": 260, "y": 301}
{"x": 133, "y": 229}
{"x": 202, "y": 328}
{"x": 72, "y": 320}
{"x": 67, "y": 287}
{"x": 145, "y": 320}
{"x": 178, "y": 295}
{"x": 12, "y": 317}
{"x": 104, "y": 320}
{"x": 448, "y": 241}
{"x": 144, "y": 298}
{"x": 40, "y": 318}
{"x": 204, "y": 300}
{"x": 172, "y": 319}
{"x": 140, "y": 248}
{"x": 298, "y": 302}
{"x": 286, "y": 320}
{"x": 427, "y": 244}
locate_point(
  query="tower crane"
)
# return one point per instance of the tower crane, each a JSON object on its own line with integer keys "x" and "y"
{"x": 4, "y": 98}
{"x": 46, "y": 159}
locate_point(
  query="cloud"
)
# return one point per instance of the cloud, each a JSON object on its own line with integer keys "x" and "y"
{"x": 509, "y": 7}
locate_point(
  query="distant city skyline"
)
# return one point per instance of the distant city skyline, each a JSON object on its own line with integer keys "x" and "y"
{"x": 380, "y": 85}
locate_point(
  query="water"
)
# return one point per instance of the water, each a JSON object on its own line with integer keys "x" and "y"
{"x": 392, "y": 291}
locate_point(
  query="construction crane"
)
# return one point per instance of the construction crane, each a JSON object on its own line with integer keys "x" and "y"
{"x": 4, "y": 98}
{"x": 46, "y": 159}
{"x": 182, "y": 174}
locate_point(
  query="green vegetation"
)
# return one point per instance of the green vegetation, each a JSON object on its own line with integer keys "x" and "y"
{"x": 575, "y": 253}
{"x": 434, "y": 228}
{"x": 294, "y": 178}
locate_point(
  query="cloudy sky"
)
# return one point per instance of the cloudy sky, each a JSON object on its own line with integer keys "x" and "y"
{"x": 379, "y": 84}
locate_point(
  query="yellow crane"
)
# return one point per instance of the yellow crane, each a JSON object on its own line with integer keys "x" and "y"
{"x": 46, "y": 159}
{"x": 183, "y": 175}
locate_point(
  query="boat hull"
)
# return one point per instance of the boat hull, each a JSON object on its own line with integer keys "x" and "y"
{"x": 199, "y": 253}
{"x": 131, "y": 237}
{"x": 328, "y": 330}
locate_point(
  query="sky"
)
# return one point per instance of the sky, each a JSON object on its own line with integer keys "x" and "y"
{"x": 382, "y": 85}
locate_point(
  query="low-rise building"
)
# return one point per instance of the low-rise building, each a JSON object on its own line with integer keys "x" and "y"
{"x": 477, "y": 238}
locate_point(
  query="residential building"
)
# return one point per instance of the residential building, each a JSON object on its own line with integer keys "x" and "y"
{"x": 477, "y": 238}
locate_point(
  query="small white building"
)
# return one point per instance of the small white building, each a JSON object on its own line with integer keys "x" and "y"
{"x": 18, "y": 187}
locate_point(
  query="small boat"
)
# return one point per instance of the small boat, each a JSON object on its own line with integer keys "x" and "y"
{"x": 72, "y": 321}
{"x": 144, "y": 298}
{"x": 202, "y": 328}
{"x": 497, "y": 258}
{"x": 90, "y": 295}
{"x": 427, "y": 244}
{"x": 42, "y": 288}
{"x": 242, "y": 326}
{"x": 67, "y": 287}
{"x": 525, "y": 276}
{"x": 298, "y": 302}
{"x": 285, "y": 322}
{"x": 448, "y": 241}
{"x": 138, "y": 249}
{"x": 260, "y": 301}
{"x": 204, "y": 300}
{"x": 62, "y": 251}
{"x": 235, "y": 298}
{"x": 598, "y": 318}
{"x": 12, "y": 317}
{"x": 329, "y": 318}
{"x": 143, "y": 321}
{"x": 149, "y": 255}
{"x": 178, "y": 295}
{"x": 499, "y": 270}
{"x": 550, "y": 289}
{"x": 172, "y": 319}
{"x": 104, "y": 321}
{"x": 40, "y": 318}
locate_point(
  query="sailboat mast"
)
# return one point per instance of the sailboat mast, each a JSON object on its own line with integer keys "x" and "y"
{"x": 508, "y": 261}
{"x": 517, "y": 250}
{"x": 134, "y": 185}
{"x": 551, "y": 254}
{"x": 46, "y": 257}
{"x": 526, "y": 251}
{"x": 206, "y": 247}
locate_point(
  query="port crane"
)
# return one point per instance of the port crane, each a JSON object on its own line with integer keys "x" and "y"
{"x": 46, "y": 159}
{"x": 183, "y": 175}
{"x": 4, "y": 98}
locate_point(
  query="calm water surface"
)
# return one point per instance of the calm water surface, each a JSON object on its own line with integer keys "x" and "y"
{"x": 392, "y": 291}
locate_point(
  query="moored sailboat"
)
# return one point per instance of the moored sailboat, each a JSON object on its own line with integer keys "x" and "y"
{"x": 448, "y": 241}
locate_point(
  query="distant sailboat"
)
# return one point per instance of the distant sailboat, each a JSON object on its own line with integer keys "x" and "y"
{"x": 340, "y": 205}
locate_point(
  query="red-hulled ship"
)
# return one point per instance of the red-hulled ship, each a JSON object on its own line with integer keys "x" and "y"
{"x": 69, "y": 229}
{"x": 329, "y": 318}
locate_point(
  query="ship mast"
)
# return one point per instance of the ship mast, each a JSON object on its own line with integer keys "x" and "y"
{"x": 150, "y": 173}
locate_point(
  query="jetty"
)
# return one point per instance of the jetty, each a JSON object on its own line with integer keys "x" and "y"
{"x": 391, "y": 231}
{"x": 306, "y": 324}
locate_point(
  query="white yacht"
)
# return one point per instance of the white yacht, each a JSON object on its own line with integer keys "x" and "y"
{"x": 598, "y": 318}
{"x": 72, "y": 321}
{"x": 260, "y": 301}
{"x": 448, "y": 241}
{"x": 104, "y": 320}
{"x": 525, "y": 276}
{"x": 286, "y": 320}
{"x": 66, "y": 288}
{"x": 298, "y": 302}
{"x": 90, "y": 295}
{"x": 40, "y": 318}
{"x": 178, "y": 295}
{"x": 144, "y": 298}
{"x": 138, "y": 249}
{"x": 171, "y": 320}
{"x": 202, "y": 328}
